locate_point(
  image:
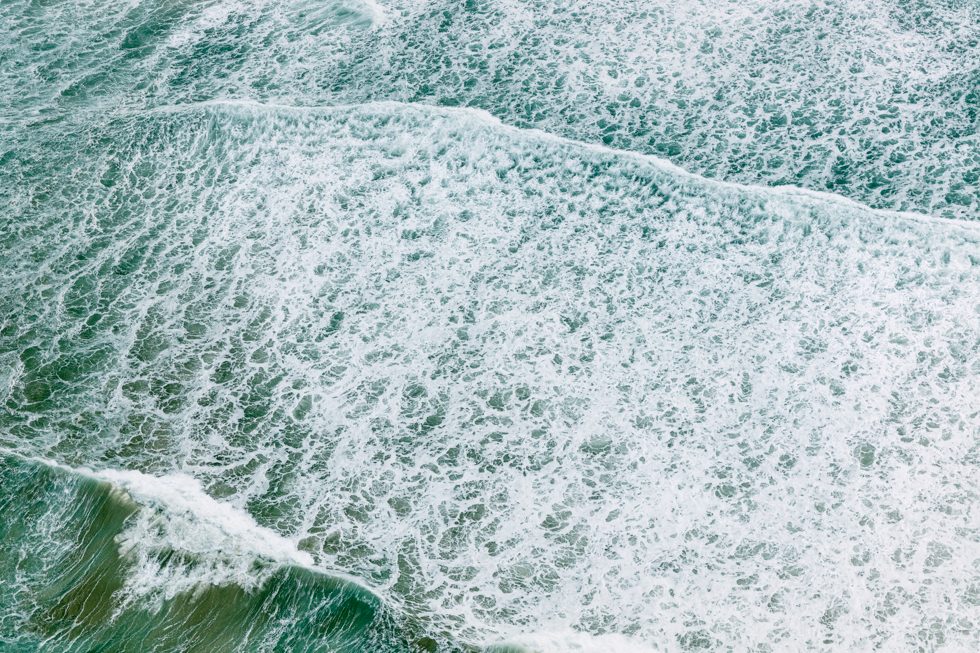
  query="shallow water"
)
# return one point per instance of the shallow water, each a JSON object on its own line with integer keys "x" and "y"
{"x": 382, "y": 327}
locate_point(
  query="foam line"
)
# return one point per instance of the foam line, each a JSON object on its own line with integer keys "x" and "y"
{"x": 489, "y": 120}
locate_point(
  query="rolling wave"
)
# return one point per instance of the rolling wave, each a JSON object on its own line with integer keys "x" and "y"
{"x": 874, "y": 100}
{"x": 125, "y": 561}
{"x": 484, "y": 117}
{"x": 502, "y": 325}
{"x": 515, "y": 383}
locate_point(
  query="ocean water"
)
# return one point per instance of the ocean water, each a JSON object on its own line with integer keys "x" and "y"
{"x": 489, "y": 327}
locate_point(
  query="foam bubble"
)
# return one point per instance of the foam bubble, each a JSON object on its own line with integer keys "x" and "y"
{"x": 570, "y": 642}
{"x": 516, "y": 383}
{"x": 221, "y": 545}
{"x": 871, "y": 100}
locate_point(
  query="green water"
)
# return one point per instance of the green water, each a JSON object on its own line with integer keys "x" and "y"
{"x": 60, "y": 533}
{"x": 353, "y": 327}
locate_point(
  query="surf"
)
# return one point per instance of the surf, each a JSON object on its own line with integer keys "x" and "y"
{"x": 513, "y": 383}
{"x": 125, "y": 560}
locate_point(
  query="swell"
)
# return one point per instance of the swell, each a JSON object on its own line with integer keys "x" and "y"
{"x": 486, "y": 119}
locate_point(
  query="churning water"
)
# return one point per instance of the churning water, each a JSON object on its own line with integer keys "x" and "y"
{"x": 489, "y": 326}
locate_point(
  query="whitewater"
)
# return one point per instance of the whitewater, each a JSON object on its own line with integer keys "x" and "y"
{"x": 489, "y": 326}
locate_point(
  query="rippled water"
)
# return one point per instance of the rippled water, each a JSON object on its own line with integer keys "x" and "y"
{"x": 489, "y": 326}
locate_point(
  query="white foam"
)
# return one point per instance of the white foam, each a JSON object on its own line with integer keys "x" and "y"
{"x": 376, "y": 11}
{"x": 223, "y": 544}
{"x": 485, "y": 118}
{"x": 213, "y": 542}
{"x": 864, "y": 97}
{"x": 574, "y": 642}
{"x": 524, "y": 385}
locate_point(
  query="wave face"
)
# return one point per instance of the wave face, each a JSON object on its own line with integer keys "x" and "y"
{"x": 373, "y": 374}
{"x": 876, "y": 100}
{"x": 96, "y": 565}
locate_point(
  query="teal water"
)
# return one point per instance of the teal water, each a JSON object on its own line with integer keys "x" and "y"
{"x": 489, "y": 326}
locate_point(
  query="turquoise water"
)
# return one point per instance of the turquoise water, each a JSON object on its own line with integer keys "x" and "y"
{"x": 489, "y": 326}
